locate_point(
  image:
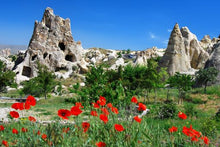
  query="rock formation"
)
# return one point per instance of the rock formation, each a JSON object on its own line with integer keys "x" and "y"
{"x": 5, "y": 52}
{"x": 143, "y": 56}
{"x": 197, "y": 55}
{"x": 214, "y": 61}
{"x": 175, "y": 58}
{"x": 52, "y": 44}
{"x": 184, "y": 52}
{"x": 207, "y": 43}
{"x": 4, "y": 57}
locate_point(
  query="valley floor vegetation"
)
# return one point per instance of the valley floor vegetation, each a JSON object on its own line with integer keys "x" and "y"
{"x": 132, "y": 106}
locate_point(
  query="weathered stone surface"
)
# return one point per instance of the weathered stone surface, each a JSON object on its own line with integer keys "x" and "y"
{"x": 175, "y": 57}
{"x": 51, "y": 44}
{"x": 143, "y": 56}
{"x": 207, "y": 43}
{"x": 5, "y": 52}
{"x": 184, "y": 52}
{"x": 214, "y": 61}
{"x": 9, "y": 64}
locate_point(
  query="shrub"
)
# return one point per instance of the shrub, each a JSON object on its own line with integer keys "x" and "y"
{"x": 198, "y": 101}
{"x": 167, "y": 111}
{"x": 208, "y": 128}
{"x": 217, "y": 115}
{"x": 190, "y": 109}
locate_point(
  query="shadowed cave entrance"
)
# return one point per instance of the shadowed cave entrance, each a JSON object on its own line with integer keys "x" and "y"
{"x": 70, "y": 58}
{"x": 26, "y": 71}
{"x": 62, "y": 46}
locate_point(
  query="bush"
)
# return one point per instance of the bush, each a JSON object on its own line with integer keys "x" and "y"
{"x": 167, "y": 111}
{"x": 208, "y": 128}
{"x": 190, "y": 109}
{"x": 198, "y": 101}
{"x": 217, "y": 115}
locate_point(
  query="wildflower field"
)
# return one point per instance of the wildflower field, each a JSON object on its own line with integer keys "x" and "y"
{"x": 103, "y": 124}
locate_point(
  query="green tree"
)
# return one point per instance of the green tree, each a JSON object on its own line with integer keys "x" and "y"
{"x": 128, "y": 51}
{"x": 203, "y": 76}
{"x": 42, "y": 84}
{"x": 182, "y": 82}
{"x": 6, "y": 78}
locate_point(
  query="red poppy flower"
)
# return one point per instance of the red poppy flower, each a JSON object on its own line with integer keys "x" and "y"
{"x": 194, "y": 138}
{"x": 64, "y": 114}
{"x": 5, "y": 143}
{"x": 31, "y": 118}
{"x": 65, "y": 130}
{"x": 2, "y": 128}
{"x": 119, "y": 128}
{"x": 134, "y": 100}
{"x": 78, "y": 104}
{"x": 109, "y": 105}
{"x": 38, "y": 132}
{"x": 100, "y": 144}
{"x": 75, "y": 110}
{"x": 15, "y": 106}
{"x": 27, "y": 106}
{"x": 173, "y": 129}
{"x": 94, "y": 113}
{"x": 115, "y": 110}
{"x": 31, "y": 100}
{"x": 44, "y": 136}
{"x": 105, "y": 111}
{"x": 104, "y": 118}
{"x": 14, "y": 131}
{"x": 24, "y": 130}
{"x": 205, "y": 139}
{"x": 141, "y": 107}
{"x": 14, "y": 114}
{"x": 101, "y": 101}
{"x": 137, "y": 119}
{"x": 191, "y": 132}
{"x": 85, "y": 126}
{"x": 182, "y": 115}
{"x": 95, "y": 105}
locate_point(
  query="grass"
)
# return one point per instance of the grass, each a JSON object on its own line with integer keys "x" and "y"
{"x": 150, "y": 132}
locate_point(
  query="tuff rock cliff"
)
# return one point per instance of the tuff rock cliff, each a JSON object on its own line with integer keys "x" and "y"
{"x": 52, "y": 44}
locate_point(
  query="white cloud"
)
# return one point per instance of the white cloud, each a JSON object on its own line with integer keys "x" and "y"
{"x": 152, "y": 36}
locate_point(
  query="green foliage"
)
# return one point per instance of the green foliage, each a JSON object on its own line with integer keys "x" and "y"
{"x": 121, "y": 84}
{"x": 166, "y": 111}
{"x": 208, "y": 128}
{"x": 6, "y": 78}
{"x": 217, "y": 115}
{"x": 42, "y": 84}
{"x": 128, "y": 51}
{"x": 13, "y": 58}
{"x": 190, "y": 109}
{"x": 203, "y": 76}
{"x": 182, "y": 82}
{"x": 119, "y": 55}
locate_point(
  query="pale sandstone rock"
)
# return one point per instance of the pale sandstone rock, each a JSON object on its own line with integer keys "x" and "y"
{"x": 214, "y": 61}
{"x": 175, "y": 57}
{"x": 51, "y": 44}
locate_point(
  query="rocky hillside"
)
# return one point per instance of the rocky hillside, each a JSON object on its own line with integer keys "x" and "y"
{"x": 185, "y": 53}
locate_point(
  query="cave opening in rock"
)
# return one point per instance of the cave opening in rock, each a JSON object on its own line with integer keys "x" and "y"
{"x": 62, "y": 46}
{"x": 45, "y": 55}
{"x": 34, "y": 57}
{"x": 70, "y": 58}
{"x": 61, "y": 69}
{"x": 26, "y": 71}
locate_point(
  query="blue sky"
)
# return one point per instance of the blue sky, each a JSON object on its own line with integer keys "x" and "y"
{"x": 112, "y": 24}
